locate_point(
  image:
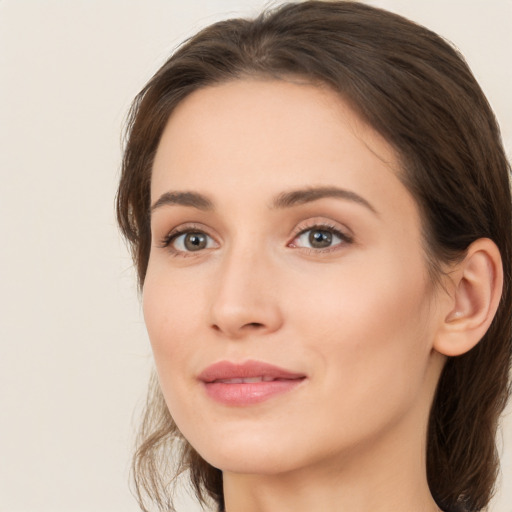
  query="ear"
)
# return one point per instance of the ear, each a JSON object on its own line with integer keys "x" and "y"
{"x": 476, "y": 286}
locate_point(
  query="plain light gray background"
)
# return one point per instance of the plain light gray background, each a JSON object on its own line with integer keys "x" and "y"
{"x": 74, "y": 356}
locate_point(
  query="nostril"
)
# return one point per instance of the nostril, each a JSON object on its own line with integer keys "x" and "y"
{"x": 254, "y": 325}
{"x": 245, "y": 327}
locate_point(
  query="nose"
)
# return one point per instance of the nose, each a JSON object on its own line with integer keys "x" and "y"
{"x": 245, "y": 299}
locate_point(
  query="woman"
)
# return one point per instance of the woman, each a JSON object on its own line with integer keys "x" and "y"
{"x": 319, "y": 210}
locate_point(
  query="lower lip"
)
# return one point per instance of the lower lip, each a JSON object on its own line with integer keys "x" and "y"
{"x": 249, "y": 393}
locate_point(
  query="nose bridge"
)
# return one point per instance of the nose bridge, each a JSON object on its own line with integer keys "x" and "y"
{"x": 245, "y": 298}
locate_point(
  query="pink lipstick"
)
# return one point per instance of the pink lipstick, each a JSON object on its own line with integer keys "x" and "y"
{"x": 248, "y": 383}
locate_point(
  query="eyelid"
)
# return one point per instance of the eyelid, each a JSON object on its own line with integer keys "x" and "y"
{"x": 166, "y": 241}
{"x": 344, "y": 233}
{"x": 322, "y": 222}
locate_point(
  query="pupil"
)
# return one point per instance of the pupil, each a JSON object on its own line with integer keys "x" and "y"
{"x": 195, "y": 241}
{"x": 320, "y": 239}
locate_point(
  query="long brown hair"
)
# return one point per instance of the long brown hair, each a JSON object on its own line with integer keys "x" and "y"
{"x": 414, "y": 89}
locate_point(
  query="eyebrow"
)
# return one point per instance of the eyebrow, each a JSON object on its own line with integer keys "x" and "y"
{"x": 192, "y": 199}
{"x": 281, "y": 201}
{"x": 308, "y": 195}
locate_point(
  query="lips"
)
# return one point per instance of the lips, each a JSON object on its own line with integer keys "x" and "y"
{"x": 249, "y": 380}
{"x": 248, "y": 383}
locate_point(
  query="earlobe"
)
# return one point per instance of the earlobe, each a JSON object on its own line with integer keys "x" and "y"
{"x": 477, "y": 284}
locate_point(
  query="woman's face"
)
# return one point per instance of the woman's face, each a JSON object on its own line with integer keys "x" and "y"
{"x": 287, "y": 297}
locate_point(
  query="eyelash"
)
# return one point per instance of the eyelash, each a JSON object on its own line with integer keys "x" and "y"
{"x": 345, "y": 238}
{"x": 169, "y": 239}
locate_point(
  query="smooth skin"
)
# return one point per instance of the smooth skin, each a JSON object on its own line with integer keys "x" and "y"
{"x": 282, "y": 233}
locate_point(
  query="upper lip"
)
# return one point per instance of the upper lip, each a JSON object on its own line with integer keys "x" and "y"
{"x": 225, "y": 370}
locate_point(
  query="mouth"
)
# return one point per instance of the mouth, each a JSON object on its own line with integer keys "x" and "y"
{"x": 248, "y": 383}
{"x": 249, "y": 380}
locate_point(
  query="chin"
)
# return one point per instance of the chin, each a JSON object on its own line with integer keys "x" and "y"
{"x": 253, "y": 461}
{"x": 249, "y": 453}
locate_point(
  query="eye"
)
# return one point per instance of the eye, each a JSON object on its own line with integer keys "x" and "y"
{"x": 189, "y": 241}
{"x": 320, "y": 237}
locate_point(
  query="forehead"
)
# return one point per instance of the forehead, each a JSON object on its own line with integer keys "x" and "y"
{"x": 271, "y": 135}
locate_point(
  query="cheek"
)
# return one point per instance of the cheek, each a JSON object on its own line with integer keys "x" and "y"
{"x": 370, "y": 294}
{"x": 170, "y": 315}
{"x": 171, "y": 321}
{"x": 370, "y": 326}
